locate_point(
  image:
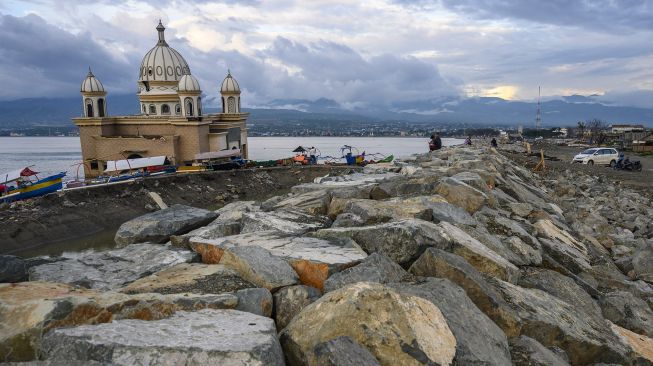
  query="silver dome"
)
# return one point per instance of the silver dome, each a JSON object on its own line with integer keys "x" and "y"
{"x": 230, "y": 85}
{"x": 162, "y": 63}
{"x": 91, "y": 84}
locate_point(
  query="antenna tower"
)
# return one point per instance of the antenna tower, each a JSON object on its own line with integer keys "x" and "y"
{"x": 538, "y": 114}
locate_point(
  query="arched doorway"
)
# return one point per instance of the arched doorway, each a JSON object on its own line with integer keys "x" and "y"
{"x": 89, "y": 108}
{"x": 189, "y": 106}
{"x": 100, "y": 107}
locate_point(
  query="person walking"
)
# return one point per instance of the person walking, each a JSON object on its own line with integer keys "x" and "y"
{"x": 493, "y": 142}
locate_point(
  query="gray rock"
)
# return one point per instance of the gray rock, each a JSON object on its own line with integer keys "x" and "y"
{"x": 287, "y": 221}
{"x": 157, "y": 227}
{"x": 461, "y": 194}
{"x": 289, "y": 301}
{"x": 444, "y": 211}
{"x": 521, "y": 209}
{"x": 526, "y": 351}
{"x": 570, "y": 257}
{"x": 628, "y": 311}
{"x": 438, "y": 263}
{"x": 643, "y": 262}
{"x": 260, "y": 267}
{"x": 255, "y": 300}
{"x": 348, "y": 220}
{"x": 375, "y": 268}
{"x": 586, "y": 338}
{"x": 479, "y": 340}
{"x": 343, "y": 351}
{"x": 111, "y": 269}
{"x": 312, "y": 202}
{"x": 219, "y": 337}
{"x": 402, "y": 241}
{"x": 12, "y": 269}
{"x": 559, "y": 286}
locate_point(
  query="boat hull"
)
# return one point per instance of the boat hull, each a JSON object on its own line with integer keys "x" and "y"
{"x": 39, "y": 188}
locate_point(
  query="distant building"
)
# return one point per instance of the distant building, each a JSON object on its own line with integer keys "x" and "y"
{"x": 170, "y": 122}
{"x": 563, "y": 132}
{"x": 626, "y": 128}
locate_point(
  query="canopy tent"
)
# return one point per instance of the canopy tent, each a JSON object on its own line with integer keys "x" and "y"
{"x": 217, "y": 154}
{"x": 16, "y": 174}
{"x": 299, "y": 149}
{"x": 128, "y": 164}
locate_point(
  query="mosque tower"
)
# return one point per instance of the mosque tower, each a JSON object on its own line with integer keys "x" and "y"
{"x": 93, "y": 97}
{"x": 230, "y": 91}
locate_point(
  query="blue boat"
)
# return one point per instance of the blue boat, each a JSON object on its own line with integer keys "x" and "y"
{"x": 17, "y": 185}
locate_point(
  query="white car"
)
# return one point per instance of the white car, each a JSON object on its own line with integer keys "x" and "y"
{"x": 597, "y": 155}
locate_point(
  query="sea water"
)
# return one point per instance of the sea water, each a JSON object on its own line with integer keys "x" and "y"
{"x": 50, "y": 155}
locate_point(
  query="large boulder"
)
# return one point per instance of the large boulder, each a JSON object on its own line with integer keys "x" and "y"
{"x": 373, "y": 212}
{"x": 628, "y": 311}
{"x": 461, "y": 194}
{"x": 587, "y": 338}
{"x": 30, "y": 309}
{"x": 289, "y": 301}
{"x": 260, "y": 267}
{"x": 227, "y": 223}
{"x": 375, "y": 268}
{"x": 478, "y": 340}
{"x": 157, "y": 227}
{"x": 314, "y": 202}
{"x": 642, "y": 346}
{"x": 402, "y": 241}
{"x": 478, "y": 255}
{"x": 438, "y": 263}
{"x": 559, "y": 286}
{"x": 256, "y": 301}
{"x": 219, "y": 337}
{"x": 343, "y": 351}
{"x": 110, "y": 269}
{"x": 398, "y": 329}
{"x": 643, "y": 262}
{"x": 313, "y": 259}
{"x": 527, "y": 351}
{"x": 285, "y": 221}
{"x": 195, "y": 278}
{"x": 12, "y": 269}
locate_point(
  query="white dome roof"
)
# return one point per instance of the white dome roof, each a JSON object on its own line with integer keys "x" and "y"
{"x": 188, "y": 83}
{"x": 230, "y": 85}
{"x": 162, "y": 63}
{"x": 91, "y": 84}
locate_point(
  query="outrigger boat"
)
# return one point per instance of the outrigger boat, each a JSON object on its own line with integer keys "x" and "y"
{"x": 311, "y": 156}
{"x": 136, "y": 168}
{"x": 24, "y": 183}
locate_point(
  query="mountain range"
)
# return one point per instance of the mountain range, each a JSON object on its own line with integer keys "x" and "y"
{"x": 480, "y": 111}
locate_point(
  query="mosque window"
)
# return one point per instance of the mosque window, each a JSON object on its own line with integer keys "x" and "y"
{"x": 223, "y": 110}
{"x": 94, "y": 165}
{"x": 149, "y": 71}
{"x": 100, "y": 107}
{"x": 177, "y": 109}
{"x": 152, "y": 109}
{"x": 144, "y": 109}
{"x": 231, "y": 105}
{"x": 189, "y": 106}
{"x": 89, "y": 108}
{"x": 199, "y": 106}
{"x": 165, "y": 109}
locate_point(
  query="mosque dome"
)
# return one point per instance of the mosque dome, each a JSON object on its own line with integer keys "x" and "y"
{"x": 230, "y": 85}
{"x": 162, "y": 63}
{"x": 91, "y": 84}
{"x": 188, "y": 83}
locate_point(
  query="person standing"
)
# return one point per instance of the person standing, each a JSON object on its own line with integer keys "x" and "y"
{"x": 493, "y": 142}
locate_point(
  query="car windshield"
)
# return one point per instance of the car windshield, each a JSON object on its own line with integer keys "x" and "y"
{"x": 589, "y": 151}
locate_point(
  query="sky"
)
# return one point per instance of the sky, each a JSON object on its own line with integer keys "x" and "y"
{"x": 362, "y": 54}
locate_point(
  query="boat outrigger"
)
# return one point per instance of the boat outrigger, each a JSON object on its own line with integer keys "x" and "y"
{"x": 24, "y": 183}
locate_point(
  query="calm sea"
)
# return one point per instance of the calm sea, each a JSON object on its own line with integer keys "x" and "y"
{"x": 57, "y": 154}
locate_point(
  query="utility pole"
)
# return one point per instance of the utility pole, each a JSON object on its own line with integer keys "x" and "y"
{"x": 538, "y": 114}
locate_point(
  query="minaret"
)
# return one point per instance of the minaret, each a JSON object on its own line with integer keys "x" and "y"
{"x": 93, "y": 97}
{"x": 189, "y": 95}
{"x": 230, "y": 91}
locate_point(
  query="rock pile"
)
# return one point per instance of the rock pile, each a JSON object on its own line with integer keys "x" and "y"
{"x": 460, "y": 256}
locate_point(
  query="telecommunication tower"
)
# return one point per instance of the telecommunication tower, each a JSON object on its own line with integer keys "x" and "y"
{"x": 538, "y": 114}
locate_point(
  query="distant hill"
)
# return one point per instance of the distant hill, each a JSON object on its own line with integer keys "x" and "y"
{"x": 469, "y": 111}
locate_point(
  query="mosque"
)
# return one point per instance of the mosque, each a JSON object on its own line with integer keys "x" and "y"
{"x": 170, "y": 122}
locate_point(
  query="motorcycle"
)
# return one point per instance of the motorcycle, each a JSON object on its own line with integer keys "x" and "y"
{"x": 626, "y": 164}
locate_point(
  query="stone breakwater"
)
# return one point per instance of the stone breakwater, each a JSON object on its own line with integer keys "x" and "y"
{"x": 457, "y": 257}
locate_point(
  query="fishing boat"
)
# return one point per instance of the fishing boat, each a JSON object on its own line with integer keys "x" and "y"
{"x": 136, "y": 168}
{"x": 24, "y": 183}
{"x": 221, "y": 160}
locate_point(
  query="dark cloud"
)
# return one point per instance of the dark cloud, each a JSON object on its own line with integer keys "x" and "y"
{"x": 39, "y": 59}
{"x": 595, "y": 14}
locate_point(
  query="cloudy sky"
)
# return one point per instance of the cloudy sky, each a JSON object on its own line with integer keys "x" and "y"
{"x": 359, "y": 53}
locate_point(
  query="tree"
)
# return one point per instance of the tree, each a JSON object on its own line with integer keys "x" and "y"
{"x": 596, "y": 128}
{"x": 581, "y": 130}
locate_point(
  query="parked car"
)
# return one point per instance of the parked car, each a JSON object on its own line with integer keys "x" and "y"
{"x": 597, "y": 155}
